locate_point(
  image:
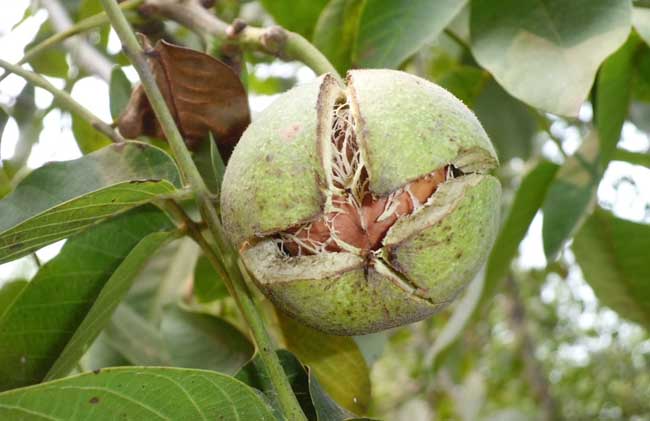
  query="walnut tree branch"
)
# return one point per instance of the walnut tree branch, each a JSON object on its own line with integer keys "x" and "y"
{"x": 64, "y": 99}
{"x": 273, "y": 40}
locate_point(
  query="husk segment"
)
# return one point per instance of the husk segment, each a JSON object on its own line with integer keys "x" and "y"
{"x": 334, "y": 292}
{"x": 433, "y": 127}
{"x": 275, "y": 177}
{"x": 431, "y": 251}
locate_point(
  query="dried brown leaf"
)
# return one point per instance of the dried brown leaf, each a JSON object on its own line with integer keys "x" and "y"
{"x": 203, "y": 94}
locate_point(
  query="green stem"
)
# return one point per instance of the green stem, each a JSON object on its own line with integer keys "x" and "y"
{"x": 64, "y": 99}
{"x": 286, "y": 45}
{"x": 227, "y": 264}
{"x": 81, "y": 26}
{"x": 454, "y": 36}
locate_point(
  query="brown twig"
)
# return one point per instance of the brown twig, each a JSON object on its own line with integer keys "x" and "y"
{"x": 273, "y": 40}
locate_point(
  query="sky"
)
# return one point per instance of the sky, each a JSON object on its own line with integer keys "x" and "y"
{"x": 625, "y": 188}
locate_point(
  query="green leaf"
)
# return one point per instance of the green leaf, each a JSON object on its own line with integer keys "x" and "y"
{"x": 509, "y": 123}
{"x": 210, "y": 164}
{"x": 52, "y": 61}
{"x": 641, "y": 87}
{"x": 253, "y": 375}
{"x": 47, "y": 315}
{"x": 106, "y": 302}
{"x": 101, "y": 355}
{"x": 207, "y": 284}
{"x": 636, "y": 158}
{"x": 336, "y": 31}
{"x": 326, "y": 408}
{"x": 547, "y": 52}
{"x": 163, "y": 279}
{"x": 88, "y": 138}
{"x": 9, "y": 292}
{"x": 295, "y": 15}
{"x": 61, "y": 199}
{"x": 528, "y": 200}
{"x": 574, "y": 191}
{"x": 119, "y": 92}
{"x": 137, "y": 339}
{"x": 613, "y": 97}
{"x": 196, "y": 340}
{"x": 570, "y": 195}
{"x": 137, "y": 393}
{"x": 336, "y": 361}
{"x": 89, "y": 8}
{"x": 641, "y": 22}
{"x": 390, "y": 31}
{"x": 613, "y": 256}
{"x": 465, "y": 82}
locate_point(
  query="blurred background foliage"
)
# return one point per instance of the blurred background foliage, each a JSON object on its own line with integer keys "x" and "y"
{"x": 556, "y": 327}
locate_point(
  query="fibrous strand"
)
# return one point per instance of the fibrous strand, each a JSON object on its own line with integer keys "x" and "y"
{"x": 359, "y": 220}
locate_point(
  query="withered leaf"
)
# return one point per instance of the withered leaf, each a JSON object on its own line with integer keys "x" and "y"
{"x": 203, "y": 94}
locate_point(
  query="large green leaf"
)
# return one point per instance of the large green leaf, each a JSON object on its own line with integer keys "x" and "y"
{"x": 391, "y": 31}
{"x": 196, "y": 340}
{"x": 295, "y": 15}
{"x": 613, "y": 256}
{"x": 106, "y": 302}
{"x": 77, "y": 284}
{"x": 335, "y": 360}
{"x": 137, "y": 393}
{"x": 547, "y": 52}
{"x": 336, "y": 31}
{"x": 575, "y": 188}
{"x": 61, "y": 199}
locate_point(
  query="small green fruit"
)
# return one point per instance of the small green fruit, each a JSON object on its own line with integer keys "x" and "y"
{"x": 364, "y": 207}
